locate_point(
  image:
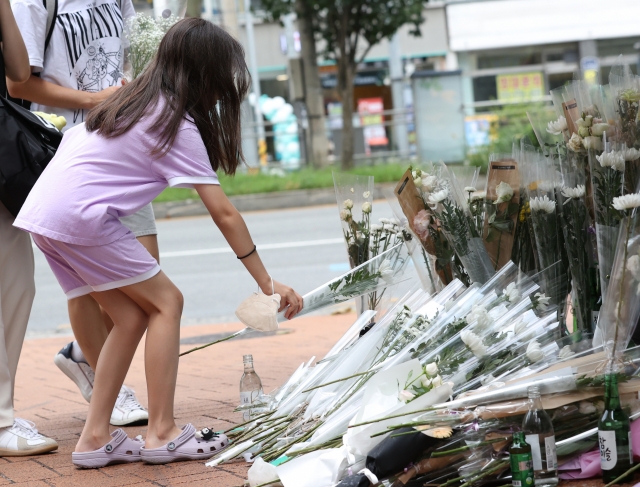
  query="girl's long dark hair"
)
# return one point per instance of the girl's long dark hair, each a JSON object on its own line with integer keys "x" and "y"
{"x": 200, "y": 70}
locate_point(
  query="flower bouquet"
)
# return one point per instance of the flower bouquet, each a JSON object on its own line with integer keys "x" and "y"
{"x": 502, "y": 208}
{"x": 142, "y": 38}
{"x": 449, "y": 205}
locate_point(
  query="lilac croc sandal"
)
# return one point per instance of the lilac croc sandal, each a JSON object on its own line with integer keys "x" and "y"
{"x": 121, "y": 449}
{"x": 189, "y": 445}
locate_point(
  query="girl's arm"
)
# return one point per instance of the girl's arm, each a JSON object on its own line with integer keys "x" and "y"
{"x": 42, "y": 92}
{"x": 235, "y": 231}
{"x": 15, "y": 55}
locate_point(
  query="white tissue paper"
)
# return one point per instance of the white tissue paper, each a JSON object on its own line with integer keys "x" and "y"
{"x": 261, "y": 472}
{"x": 316, "y": 469}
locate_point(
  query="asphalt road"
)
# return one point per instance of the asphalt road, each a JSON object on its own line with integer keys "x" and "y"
{"x": 300, "y": 247}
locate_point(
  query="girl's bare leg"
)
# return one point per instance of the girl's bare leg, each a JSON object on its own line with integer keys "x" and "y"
{"x": 154, "y": 305}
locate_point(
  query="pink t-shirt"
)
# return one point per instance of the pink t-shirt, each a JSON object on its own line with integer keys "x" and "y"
{"x": 92, "y": 181}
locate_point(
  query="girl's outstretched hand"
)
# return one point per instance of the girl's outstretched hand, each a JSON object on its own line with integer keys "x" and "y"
{"x": 288, "y": 299}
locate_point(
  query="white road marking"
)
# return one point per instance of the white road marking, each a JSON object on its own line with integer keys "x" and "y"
{"x": 273, "y": 246}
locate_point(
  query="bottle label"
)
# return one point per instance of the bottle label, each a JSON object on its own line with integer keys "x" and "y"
{"x": 534, "y": 442}
{"x": 521, "y": 470}
{"x": 248, "y": 398}
{"x": 608, "y": 451}
{"x": 550, "y": 450}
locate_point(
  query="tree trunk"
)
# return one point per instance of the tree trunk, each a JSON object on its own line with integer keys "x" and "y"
{"x": 317, "y": 138}
{"x": 346, "y": 75}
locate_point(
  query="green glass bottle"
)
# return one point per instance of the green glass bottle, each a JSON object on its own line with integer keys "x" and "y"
{"x": 614, "y": 434}
{"x": 521, "y": 462}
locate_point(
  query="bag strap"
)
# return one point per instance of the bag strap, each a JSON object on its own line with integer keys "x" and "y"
{"x": 52, "y": 13}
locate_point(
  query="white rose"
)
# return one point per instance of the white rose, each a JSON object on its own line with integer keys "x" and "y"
{"x": 587, "y": 407}
{"x": 432, "y": 369}
{"x": 584, "y": 132}
{"x": 566, "y": 352}
{"x": 575, "y": 142}
{"x": 504, "y": 192}
{"x": 588, "y": 120}
{"x": 418, "y": 181}
{"x": 405, "y": 396}
{"x": 473, "y": 343}
{"x": 426, "y": 382}
{"x": 581, "y": 123}
{"x": 534, "y": 352}
{"x": 437, "y": 381}
{"x": 348, "y": 204}
{"x": 366, "y": 207}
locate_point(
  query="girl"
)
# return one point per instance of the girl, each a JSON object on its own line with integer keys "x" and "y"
{"x": 175, "y": 125}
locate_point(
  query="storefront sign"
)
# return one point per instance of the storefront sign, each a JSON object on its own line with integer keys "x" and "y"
{"x": 520, "y": 87}
{"x": 372, "y": 120}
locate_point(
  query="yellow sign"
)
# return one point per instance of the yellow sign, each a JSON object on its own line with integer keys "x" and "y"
{"x": 519, "y": 87}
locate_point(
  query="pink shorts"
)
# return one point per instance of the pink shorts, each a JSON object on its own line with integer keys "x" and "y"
{"x": 82, "y": 269}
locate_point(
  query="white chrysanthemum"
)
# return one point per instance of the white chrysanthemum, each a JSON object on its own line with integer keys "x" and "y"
{"x": 366, "y": 207}
{"x": 626, "y": 202}
{"x": 542, "y": 204}
{"x": 573, "y": 193}
{"x": 473, "y": 343}
{"x": 534, "y": 351}
{"x": 511, "y": 293}
{"x": 345, "y": 215}
{"x": 613, "y": 159}
{"x": 542, "y": 301}
{"x": 481, "y": 316}
{"x": 504, "y": 192}
{"x": 375, "y": 228}
{"x": 469, "y": 189}
{"x": 348, "y": 204}
{"x": 479, "y": 196}
{"x": 631, "y": 154}
{"x": 558, "y": 126}
{"x": 429, "y": 183}
{"x": 520, "y": 327}
{"x": 366, "y": 194}
{"x": 386, "y": 270}
{"x": 438, "y": 196}
{"x": 566, "y": 352}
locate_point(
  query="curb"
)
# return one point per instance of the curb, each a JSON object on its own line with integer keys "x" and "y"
{"x": 259, "y": 201}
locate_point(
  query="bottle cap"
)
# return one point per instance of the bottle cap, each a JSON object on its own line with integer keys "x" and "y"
{"x": 247, "y": 358}
{"x": 533, "y": 391}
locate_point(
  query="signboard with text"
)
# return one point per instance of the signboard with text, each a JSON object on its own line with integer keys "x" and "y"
{"x": 520, "y": 86}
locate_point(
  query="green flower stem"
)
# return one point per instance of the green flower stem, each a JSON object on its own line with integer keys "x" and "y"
{"x": 244, "y": 330}
{"x": 248, "y": 422}
{"x": 630, "y": 471}
{"x": 484, "y": 474}
{"x": 335, "y": 381}
{"x": 445, "y": 453}
{"x": 391, "y": 417}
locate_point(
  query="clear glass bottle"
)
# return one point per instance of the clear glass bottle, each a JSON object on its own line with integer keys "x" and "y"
{"x": 613, "y": 433}
{"x": 538, "y": 431}
{"x": 521, "y": 462}
{"x": 250, "y": 386}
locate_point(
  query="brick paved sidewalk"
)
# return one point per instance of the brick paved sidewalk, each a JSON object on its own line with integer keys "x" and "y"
{"x": 206, "y": 395}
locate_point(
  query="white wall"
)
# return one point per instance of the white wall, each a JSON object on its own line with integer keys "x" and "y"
{"x": 511, "y": 23}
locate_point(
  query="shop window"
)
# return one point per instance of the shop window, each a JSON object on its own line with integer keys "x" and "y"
{"x": 484, "y": 88}
{"x": 558, "y": 79}
{"x": 615, "y": 47}
{"x": 507, "y": 59}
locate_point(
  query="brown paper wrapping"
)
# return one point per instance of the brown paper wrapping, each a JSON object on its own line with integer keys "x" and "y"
{"x": 499, "y": 249}
{"x": 571, "y": 113}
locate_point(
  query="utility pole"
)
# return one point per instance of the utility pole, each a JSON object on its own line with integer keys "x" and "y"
{"x": 396, "y": 73}
{"x": 255, "y": 82}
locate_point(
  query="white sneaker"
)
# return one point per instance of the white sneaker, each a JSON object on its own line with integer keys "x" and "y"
{"x": 128, "y": 411}
{"x": 23, "y": 439}
{"x": 79, "y": 372}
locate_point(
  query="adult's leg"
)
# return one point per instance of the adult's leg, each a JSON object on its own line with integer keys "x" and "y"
{"x": 154, "y": 305}
{"x": 17, "y": 290}
{"x": 88, "y": 325}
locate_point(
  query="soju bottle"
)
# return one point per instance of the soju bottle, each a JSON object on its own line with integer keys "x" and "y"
{"x": 613, "y": 433}
{"x": 250, "y": 386}
{"x": 538, "y": 431}
{"x": 521, "y": 462}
